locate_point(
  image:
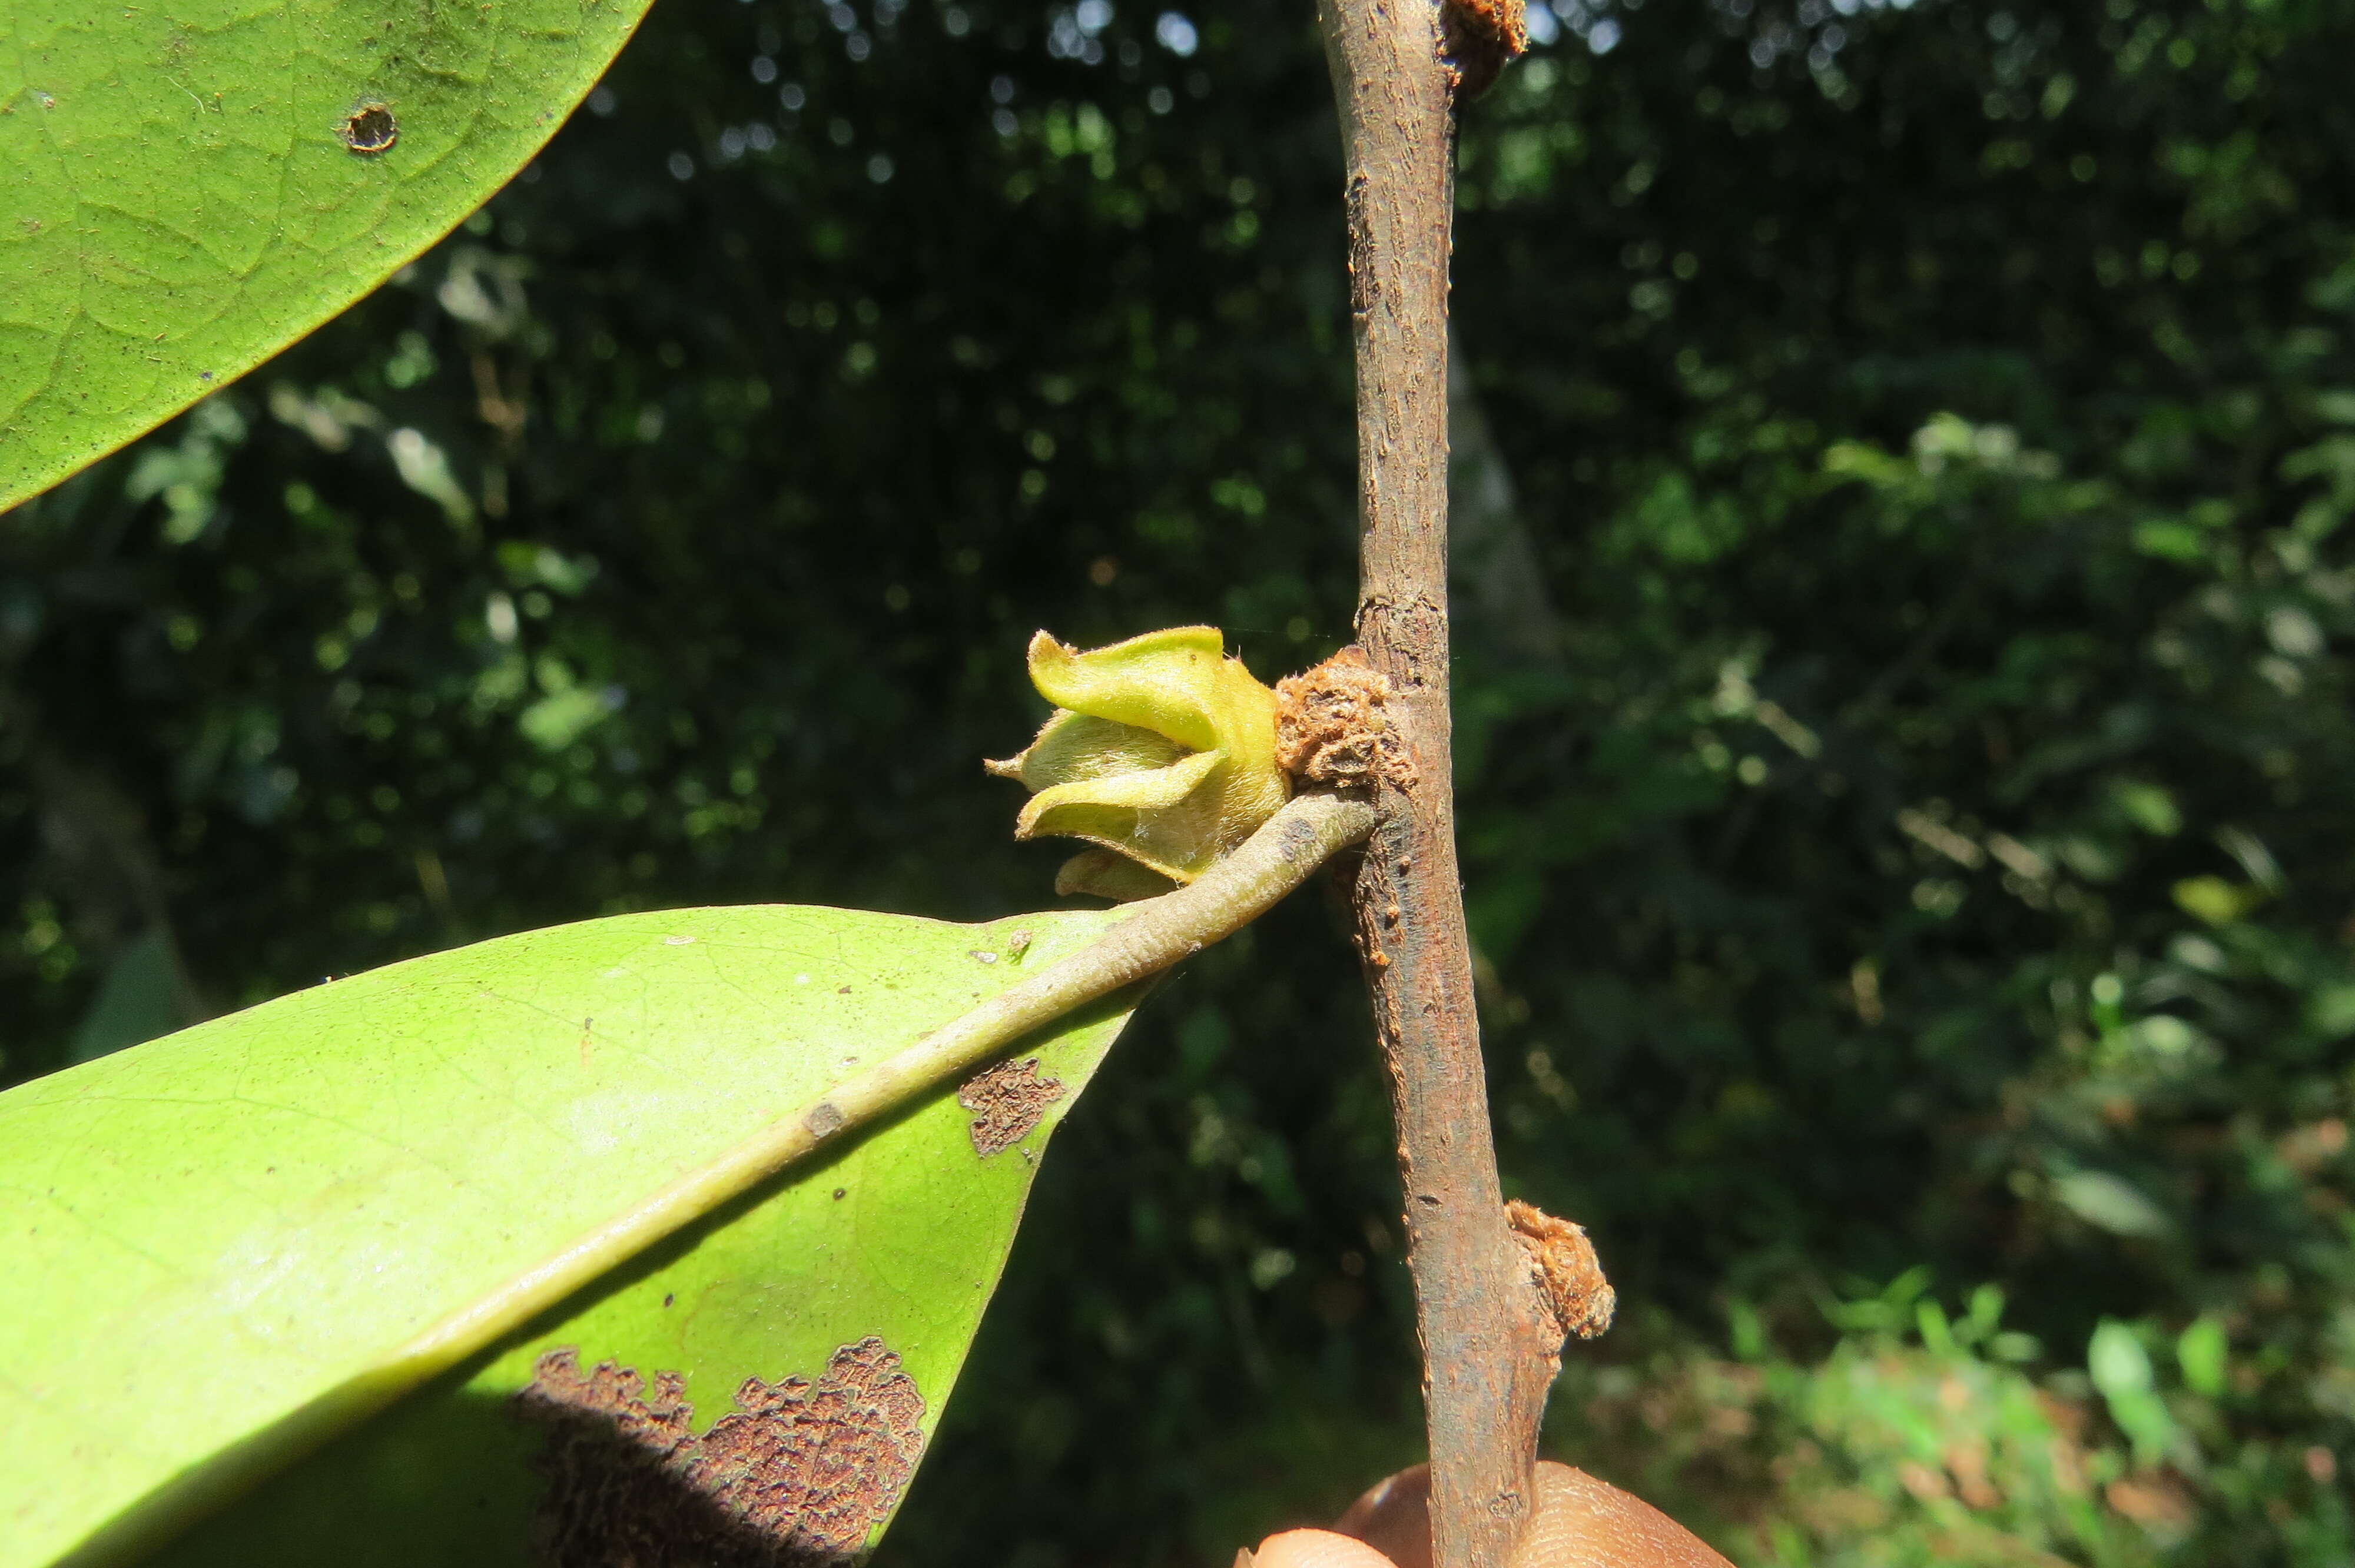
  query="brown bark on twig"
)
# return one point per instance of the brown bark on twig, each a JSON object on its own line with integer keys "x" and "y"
{"x": 1488, "y": 1340}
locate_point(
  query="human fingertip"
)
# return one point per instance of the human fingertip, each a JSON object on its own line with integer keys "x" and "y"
{"x": 1316, "y": 1549}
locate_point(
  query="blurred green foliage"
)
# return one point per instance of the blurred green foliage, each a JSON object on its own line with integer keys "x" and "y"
{"x": 1906, "y": 792}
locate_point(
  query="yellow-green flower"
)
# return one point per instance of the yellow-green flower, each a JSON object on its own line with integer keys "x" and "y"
{"x": 1161, "y": 752}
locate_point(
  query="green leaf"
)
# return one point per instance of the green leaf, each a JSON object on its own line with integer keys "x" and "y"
{"x": 2111, "y": 1202}
{"x": 2204, "y": 1354}
{"x": 224, "y": 1246}
{"x": 188, "y": 187}
{"x": 2215, "y": 900}
{"x": 2120, "y": 1367}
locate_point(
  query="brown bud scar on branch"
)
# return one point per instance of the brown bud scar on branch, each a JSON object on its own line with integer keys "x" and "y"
{"x": 1332, "y": 726}
{"x": 1569, "y": 1274}
{"x": 1478, "y": 38}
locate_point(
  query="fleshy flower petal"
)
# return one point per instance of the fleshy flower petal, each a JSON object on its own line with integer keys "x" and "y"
{"x": 1162, "y": 750}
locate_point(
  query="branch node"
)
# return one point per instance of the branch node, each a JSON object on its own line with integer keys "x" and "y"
{"x": 1332, "y": 727}
{"x": 1568, "y": 1274}
{"x": 1478, "y": 38}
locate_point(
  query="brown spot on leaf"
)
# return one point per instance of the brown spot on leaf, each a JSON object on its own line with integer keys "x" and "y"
{"x": 1569, "y": 1274}
{"x": 1332, "y": 726}
{"x": 1006, "y": 1100}
{"x": 796, "y": 1475}
{"x": 369, "y": 128}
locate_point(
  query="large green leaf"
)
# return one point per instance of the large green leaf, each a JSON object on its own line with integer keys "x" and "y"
{"x": 228, "y": 1235}
{"x": 180, "y": 195}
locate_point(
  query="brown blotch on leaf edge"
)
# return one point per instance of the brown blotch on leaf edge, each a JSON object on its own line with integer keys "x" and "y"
{"x": 369, "y": 128}
{"x": 1006, "y": 1099}
{"x": 796, "y": 1475}
{"x": 1569, "y": 1274}
{"x": 1332, "y": 726}
{"x": 1478, "y": 38}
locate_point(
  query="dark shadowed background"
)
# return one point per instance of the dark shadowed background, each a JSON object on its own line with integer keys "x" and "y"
{"x": 1905, "y": 621}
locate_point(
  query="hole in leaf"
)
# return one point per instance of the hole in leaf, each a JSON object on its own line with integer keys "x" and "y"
{"x": 369, "y": 128}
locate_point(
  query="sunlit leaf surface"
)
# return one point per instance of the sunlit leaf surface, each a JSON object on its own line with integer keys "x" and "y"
{"x": 190, "y": 186}
{"x": 220, "y": 1233}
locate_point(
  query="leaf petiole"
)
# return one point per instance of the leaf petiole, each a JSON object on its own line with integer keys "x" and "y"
{"x": 1151, "y": 935}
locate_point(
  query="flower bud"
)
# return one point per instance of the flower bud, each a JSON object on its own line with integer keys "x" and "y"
{"x": 1161, "y": 753}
